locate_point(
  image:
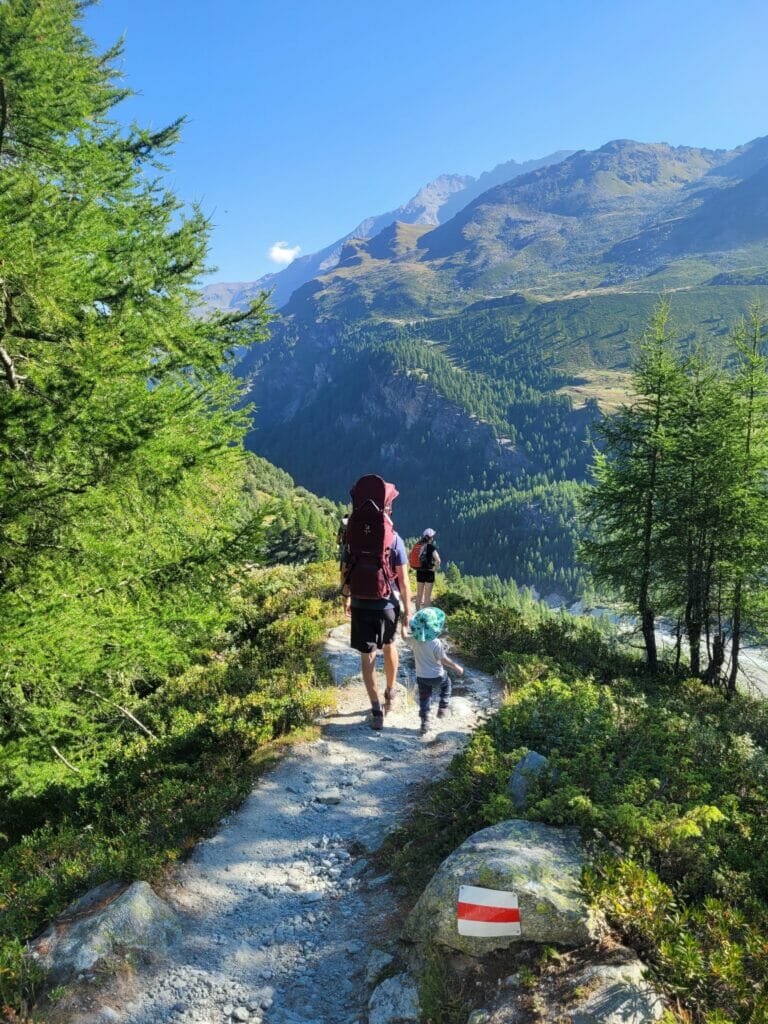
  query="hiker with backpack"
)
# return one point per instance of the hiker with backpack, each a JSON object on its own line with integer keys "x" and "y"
{"x": 425, "y": 559}
{"x": 374, "y": 580}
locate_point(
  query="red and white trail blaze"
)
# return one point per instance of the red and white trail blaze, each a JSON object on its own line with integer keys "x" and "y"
{"x": 487, "y": 913}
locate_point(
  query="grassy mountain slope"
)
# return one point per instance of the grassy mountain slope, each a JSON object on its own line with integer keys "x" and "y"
{"x": 630, "y": 215}
{"x": 434, "y": 203}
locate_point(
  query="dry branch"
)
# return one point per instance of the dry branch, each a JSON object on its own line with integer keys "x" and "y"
{"x": 61, "y": 757}
{"x": 124, "y": 711}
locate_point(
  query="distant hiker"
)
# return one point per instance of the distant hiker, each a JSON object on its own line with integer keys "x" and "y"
{"x": 340, "y": 534}
{"x": 374, "y": 580}
{"x": 425, "y": 559}
{"x": 431, "y": 659}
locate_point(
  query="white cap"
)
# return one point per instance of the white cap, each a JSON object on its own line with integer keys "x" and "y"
{"x": 429, "y": 533}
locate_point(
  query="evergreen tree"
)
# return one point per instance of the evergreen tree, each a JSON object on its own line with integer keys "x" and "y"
{"x": 748, "y": 528}
{"x": 625, "y": 510}
{"x": 700, "y": 434}
{"x": 121, "y": 460}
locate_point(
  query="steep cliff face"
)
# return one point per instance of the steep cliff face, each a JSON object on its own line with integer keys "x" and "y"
{"x": 327, "y": 415}
{"x": 492, "y": 463}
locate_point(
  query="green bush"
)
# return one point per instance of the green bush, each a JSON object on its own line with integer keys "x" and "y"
{"x": 487, "y": 631}
{"x": 667, "y": 771}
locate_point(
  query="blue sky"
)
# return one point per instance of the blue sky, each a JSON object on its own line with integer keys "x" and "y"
{"x": 306, "y": 117}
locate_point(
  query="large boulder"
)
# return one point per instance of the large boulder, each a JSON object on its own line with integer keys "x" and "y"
{"x": 108, "y": 920}
{"x": 395, "y": 1001}
{"x": 539, "y": 863}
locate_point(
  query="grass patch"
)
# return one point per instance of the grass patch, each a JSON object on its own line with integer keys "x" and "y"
{"x": 609, "y": 388}
{"x": 443, "y": 998}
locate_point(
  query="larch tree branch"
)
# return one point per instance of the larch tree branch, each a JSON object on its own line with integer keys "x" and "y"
{"x": 12, "y": 376}
{"x": 3, "y": 114}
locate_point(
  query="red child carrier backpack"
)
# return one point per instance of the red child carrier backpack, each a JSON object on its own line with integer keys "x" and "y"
{"x": 369, "y": 537}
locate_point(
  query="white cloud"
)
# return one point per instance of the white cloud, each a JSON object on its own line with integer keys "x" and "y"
{"x": 283, "y": 253}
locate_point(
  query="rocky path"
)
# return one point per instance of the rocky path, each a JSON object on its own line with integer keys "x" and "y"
{"x": 282, "y": 915}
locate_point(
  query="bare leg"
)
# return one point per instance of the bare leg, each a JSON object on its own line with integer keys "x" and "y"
{"x": 427, "y": 594}
{"x": 368, "y": 665}
{"x": 391, "y": 661}
{"x": 419, "y": 594}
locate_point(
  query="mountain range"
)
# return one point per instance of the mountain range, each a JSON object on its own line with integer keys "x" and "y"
{"x": 468, "y": 358}
{"x": 433, "y": 204}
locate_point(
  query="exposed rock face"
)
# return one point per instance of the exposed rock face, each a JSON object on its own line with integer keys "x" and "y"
{"x": 109, "y": 919}
{"x": 540, "y": 863}
{"x": 615, "y": 994}
{"x": 395, "y": 1001}
{"x": 612, "y": 991}
{"x": 386, "y": 414}
{"x": 378, "y": 961}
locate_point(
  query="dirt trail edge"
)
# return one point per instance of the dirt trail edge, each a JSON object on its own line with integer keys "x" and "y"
{"x": 280, "y": 910}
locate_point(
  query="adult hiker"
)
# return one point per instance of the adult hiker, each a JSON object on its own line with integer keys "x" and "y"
{"x": 425, "y": 559}
{"x": 340, "y": 534}
{"x": 374, "y": 580}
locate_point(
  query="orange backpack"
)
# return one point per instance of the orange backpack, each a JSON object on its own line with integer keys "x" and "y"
{"x": 414, "y": 555}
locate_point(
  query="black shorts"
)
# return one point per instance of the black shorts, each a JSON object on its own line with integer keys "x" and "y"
{"x": 425, "y": 575}
{"x": 372, "y": 628}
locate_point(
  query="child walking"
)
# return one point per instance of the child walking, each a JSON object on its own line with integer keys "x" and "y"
{"x": 431, "y": 660}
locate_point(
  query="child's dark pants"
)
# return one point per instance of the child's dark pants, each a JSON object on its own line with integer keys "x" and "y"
{"x": 426, "y": 688}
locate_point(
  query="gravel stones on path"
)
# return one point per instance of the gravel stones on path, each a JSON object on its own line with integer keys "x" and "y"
{"x": 280, "y": 910}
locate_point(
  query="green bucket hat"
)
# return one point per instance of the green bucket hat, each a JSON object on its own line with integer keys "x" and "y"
{"x": 428, "y": 623}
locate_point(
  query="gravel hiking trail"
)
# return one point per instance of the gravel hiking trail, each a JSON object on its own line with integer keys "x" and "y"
{"x": 282, "y": 916}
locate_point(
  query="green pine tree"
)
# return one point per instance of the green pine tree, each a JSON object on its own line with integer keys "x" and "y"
{"x": 121, "y": 459}
{"x": 624, "y": 510}
{"x": 748, "y": 526}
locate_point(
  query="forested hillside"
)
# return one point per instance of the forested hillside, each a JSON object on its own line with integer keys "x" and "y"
{"x": 484, "y": 418}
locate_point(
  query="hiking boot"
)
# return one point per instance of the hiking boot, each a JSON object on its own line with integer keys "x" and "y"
{"x": 443, "y": 712}
{"x": 389, "y": 700}
{"x": 377, "y": 719}
{"x": 426, "y": 728}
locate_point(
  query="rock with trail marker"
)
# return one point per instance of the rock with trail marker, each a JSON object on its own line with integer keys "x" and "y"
{"x": 540, "y": 864}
